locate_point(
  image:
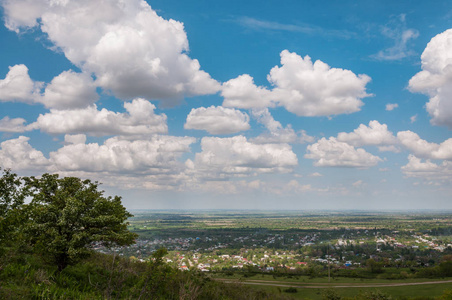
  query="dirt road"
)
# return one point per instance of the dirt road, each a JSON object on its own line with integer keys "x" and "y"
{"x": 328, "y": 285}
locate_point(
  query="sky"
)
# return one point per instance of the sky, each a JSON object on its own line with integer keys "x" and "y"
{"x": 233, "y": 104}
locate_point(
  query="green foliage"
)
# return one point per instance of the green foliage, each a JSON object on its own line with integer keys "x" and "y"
{"x": 26, "y": 276}
{"x": 445, "y": 269}
{"x": 374, "y": 295}
{"x": 68, "y": 214}
{"x": 12, "y": 197}
{"x": 291, "y": 290}
{"x": 447, "y": 295}
{"x": 64, "y": 218}
{"x": 330, "y": 294}
{"x": 373, "y": 266}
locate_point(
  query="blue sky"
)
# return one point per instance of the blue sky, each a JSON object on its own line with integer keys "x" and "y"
{"x": 226, "y": 104}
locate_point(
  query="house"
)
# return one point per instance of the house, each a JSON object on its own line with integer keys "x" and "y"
{"x": 184, "y": 268}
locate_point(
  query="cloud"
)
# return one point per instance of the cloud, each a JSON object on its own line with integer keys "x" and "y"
{"x": 12, "y": 125}
{"x": 18, "y": 154}
{"x": 276, "y": 133}
{"x": 375, "y": 134}
{"x": 389, "y": 148}
{"x": 66, "y": 91}
{"x": 302, "y": 87}
{"x": 22, "y": 13}
{"x": 295, "y": 187}
{"x": 435, "y": 79}
{"x": 255, "y": 24}
{"x": 240, "y": 187}
{"x": 413, "y": 118}
{"x": 358, "y": 183}
{"x": 401, "y": 36}
{"x": 315, "y": 174}
{"x": 391, "y": 106}
{"x": 131, "y": 50}
{"x": 428, "y": 170}
{"x": 333, "y": 153}
{"x": 315, "y": 89}
{"x": 217, "y": 120}
{"x": 157, "y": 155}
{"x": 422, "y": 148}
{"x": 18, "y": 86}
{"x": 75, "y": 139}
{"x": 305, "y": 138}
{"x": 241, "y": 92}
{"x": 152, "y": 163}
{"x": 140, "y": 119}
{"x": 235, "y": 187}
{"x": 235, "y": 156}
{"x": 70, "y": 90}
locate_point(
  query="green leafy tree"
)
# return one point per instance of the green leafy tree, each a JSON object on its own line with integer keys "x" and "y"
{"x": 12, "y": 195}
{"x": 374, "y": 266}
{"x": 67, "y": 215}
{"x": 156, "y": 280}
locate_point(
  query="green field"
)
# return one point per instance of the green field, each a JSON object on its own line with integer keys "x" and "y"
{"x": 407, "y": 292}
{"x": 407, "y": 247}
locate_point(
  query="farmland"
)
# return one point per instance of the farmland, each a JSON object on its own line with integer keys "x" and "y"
{"x": 307, "y": 250}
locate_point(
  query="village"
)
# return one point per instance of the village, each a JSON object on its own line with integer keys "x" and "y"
{"x": 292, "y": 252}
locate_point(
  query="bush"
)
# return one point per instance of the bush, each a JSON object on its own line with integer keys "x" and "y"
{"x": 291, "y": 290}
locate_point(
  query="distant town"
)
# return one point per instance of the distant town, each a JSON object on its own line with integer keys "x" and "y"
{"x": 230, "y": 248}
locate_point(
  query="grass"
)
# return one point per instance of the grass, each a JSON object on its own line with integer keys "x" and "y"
{"x": 425, "y": 291}
{"x": 422, "y": 291}
{"x": 306, "y": 280}
{"x": 28, "y": 276}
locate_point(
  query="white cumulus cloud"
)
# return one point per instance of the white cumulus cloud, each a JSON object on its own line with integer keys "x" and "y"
{"x": 316, "y": 89}
{"x": 375, "y": 134}
{"x": 131, "y": 50}
{"x": 18, "y": 154}
{"x": 18, "y": 86}
{"x": 157, "y": 155}
{"x": 333, "y": 153}
{"x": 235, "y": 156}
{"x": 241, "y": 92}
{"x": 75, "y": 138}
{"x": 428, "y": 170}
{"x": 276, "y": 132}
{"x": 217, "y": 120}
{"x": 435, "y": 79}
{"x": 302, "y": 87}
{"x": 391, "y": 106}
{"x": 70, "y": 90}
{"x": 140, "y": 119}
{"x": 12, "y": 125}
{"x": 66, "y": 91}
{"x": 422, "y": 148}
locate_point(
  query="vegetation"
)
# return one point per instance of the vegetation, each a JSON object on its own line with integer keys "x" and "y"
{"x": 11, "y": 203}
{"x": 61, "y": 238}
{"x": 29, "y": 276}
{"x": 47, "y": 248}
{"x": 68, "y": 215}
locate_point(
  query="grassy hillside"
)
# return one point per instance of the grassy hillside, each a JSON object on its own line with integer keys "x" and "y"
{"x": 29, "y": 276}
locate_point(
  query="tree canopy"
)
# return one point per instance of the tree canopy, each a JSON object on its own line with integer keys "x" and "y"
{"x": 12, "y": 197}
{"x": 65, "y": 216}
